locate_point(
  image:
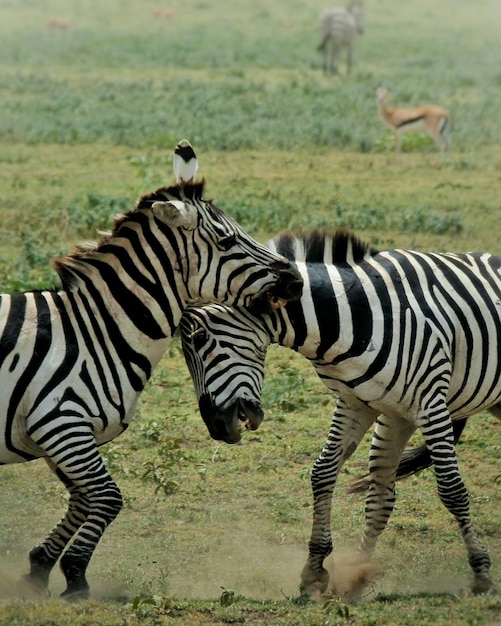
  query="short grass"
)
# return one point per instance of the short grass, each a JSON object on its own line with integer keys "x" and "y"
{"x": 213, "y": 534}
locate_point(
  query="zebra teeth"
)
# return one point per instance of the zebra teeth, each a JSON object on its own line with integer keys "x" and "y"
{"x": 243, "y": 418}
{"x": 277, "y": 302}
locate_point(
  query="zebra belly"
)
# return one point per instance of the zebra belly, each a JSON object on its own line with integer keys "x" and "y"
{"x": 28, "y": 451}
{"x": 106, "y": 418}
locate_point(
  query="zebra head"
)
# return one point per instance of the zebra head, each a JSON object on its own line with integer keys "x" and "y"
{"x": 217, "y": 259}
{"x": 356, "y": 8}
{"x": 225, "y": 349}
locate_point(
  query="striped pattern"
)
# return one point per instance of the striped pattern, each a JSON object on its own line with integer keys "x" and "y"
{"x": 405, "y": 339}
{"x": 339, "y": 28}
{"x": 73, "y": 361}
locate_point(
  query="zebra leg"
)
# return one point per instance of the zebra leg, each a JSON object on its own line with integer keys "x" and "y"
{"x": 44, "y": 556}
{"x": 439, "y": 438}
{"x": 349, "y": 59}
{"x": 334, "y": 55}
{"x": 349, "y": 424}
{"x": 76, "y": 456}
{"x": 390, "y": 438}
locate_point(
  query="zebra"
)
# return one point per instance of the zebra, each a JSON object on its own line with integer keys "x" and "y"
{"x": 74, "y": 360}
{"x": 339, "y": 27}
{"x": 403, "y": 338}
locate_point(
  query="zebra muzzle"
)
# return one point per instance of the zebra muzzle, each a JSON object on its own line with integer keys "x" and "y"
{"x": 228, "y": 424}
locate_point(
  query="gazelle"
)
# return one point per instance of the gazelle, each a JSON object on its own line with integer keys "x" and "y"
{"x": 57, "y": 23}
{"x": 431, "y": 119}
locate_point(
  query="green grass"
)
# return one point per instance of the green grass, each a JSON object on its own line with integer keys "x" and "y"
{"x": 213, "y": 534}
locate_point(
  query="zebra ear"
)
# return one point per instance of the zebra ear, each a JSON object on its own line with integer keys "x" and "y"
{"x": 185, "y": 162}
{"x": 175, "y": 213}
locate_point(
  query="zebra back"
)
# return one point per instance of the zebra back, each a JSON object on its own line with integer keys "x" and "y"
{"x": 321, "y": 246}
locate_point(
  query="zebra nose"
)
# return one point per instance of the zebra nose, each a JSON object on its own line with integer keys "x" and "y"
{"x": 222, "y": 424}
{"x": 290, "y": 283}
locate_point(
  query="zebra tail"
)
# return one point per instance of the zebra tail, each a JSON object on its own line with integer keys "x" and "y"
{"x": 413, "y": 460}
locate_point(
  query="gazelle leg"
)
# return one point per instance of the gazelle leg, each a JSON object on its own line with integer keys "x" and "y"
{"x": 439, "y": 438}
{"x": 390, "y": 438}
{"x": 398, "y": 143}
{"x": 97, "y": 501}
{"x": 349, "y": 425}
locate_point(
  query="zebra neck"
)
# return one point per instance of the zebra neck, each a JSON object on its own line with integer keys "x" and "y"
{"x": 143, "y": 307}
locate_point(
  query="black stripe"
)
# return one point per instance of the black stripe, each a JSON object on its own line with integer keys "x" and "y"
{"x": 411, "y": 121}
{"x": 41, "y": 346}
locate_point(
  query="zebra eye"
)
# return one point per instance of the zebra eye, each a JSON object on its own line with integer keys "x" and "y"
{"x": 199, "y": 338}
{"x": 225, "y": 243}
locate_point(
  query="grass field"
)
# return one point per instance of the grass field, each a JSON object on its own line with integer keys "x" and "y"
{"x": 213, "y": 534}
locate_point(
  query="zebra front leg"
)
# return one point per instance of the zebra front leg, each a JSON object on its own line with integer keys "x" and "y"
{"x": 439, "y": 440}
{"x": 44, "y": 556}
{"x": 349, "y": 60}
{"x": 349, "y": 425}
{"x": 389, "y": 440}
{"x": 74, "y": 452}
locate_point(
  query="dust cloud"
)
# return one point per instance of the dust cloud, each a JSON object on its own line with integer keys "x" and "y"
{"x": 243, "y": 562}
{"x": 14, "y": 587}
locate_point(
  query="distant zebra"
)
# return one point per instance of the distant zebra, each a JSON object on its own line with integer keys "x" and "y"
{"x": 339, "y": 28}
{"x": 73, "y": 361}
{"x": 407, "y": 340}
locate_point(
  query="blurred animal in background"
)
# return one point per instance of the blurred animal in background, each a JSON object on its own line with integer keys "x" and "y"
{"x": 431, "y": 119}
{"x": 164, "y": 14}
{"x": 339, "y": 28}
{"x": 57, "y": 23}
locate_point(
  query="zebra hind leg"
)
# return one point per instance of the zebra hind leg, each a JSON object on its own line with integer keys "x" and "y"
{"x": 89, "y": 515}
{"x": 389, "y": 440}
{"x": 439, "y": 439}
{"x": 44, "y": 556}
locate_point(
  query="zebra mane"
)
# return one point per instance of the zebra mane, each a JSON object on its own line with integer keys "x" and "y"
{"x": 322, "y": 246}
{"x": 64, "y": 266}
{"x": 186, "y": 191}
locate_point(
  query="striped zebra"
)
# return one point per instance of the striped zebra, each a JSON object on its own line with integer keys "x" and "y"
{"x": 339, "y": 28}
{"x": 73, "y": 361}
{"x": 406, "y": 340}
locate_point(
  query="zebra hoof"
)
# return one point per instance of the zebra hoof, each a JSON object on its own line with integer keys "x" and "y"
{"x": 314, "y": 583}
{"x": 76, "y": 595}
{"x": 31, "y": 586}
{"x": 482, "y": 586}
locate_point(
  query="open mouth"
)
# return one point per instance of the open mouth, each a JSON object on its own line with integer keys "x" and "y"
{"x": 250, "y": 415}
{"x": 246, "y": 422}
{"x": 276, "y": 302}
{"x": 228, "y": 424}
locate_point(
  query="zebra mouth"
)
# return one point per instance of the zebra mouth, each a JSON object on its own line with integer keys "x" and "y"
{"x": 250, "y": 414}
{"x": 276, "y": 302}
{"x": 250, "y": 420}
{"x": 288, "y": 289}
{"x": 228, "y": 424}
